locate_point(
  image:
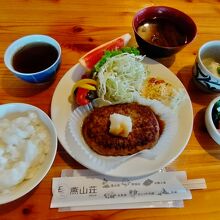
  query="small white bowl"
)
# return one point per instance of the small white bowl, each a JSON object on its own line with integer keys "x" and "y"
{"x": 209, "y": 121}
{"x": 202, "y": 77}
{"x": 27, "y": 185}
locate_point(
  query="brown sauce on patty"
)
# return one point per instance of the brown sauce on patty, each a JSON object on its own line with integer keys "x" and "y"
{"x": 144, "y": 135}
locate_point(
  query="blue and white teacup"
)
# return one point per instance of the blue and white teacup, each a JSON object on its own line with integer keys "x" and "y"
{"x": 42, "y": 76}
{"x": 202, "y": 75}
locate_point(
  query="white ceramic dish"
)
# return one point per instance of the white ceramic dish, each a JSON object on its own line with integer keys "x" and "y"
{"x": 136, "y": 166}
{"x": 27, "y": 185}
{"x": 202, "y": 77}
{"x": 209, "y": 121}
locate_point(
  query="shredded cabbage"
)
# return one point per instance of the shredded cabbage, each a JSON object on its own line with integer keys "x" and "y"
{"x": 121, "y": 78}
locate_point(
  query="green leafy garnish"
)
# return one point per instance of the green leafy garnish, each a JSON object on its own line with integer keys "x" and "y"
{"x": 218, "y": 70}
{"x": 216, "y": 113}
{"x": 109, "y": 54}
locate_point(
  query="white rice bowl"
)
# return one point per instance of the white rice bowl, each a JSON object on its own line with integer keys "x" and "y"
{"x": 33, "y": 178}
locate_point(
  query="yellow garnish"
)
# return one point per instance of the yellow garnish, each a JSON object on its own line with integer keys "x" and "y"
{"x": 87, "y": 86}
{"x": 79, "y": 83}
{"x": 83, "y": 83}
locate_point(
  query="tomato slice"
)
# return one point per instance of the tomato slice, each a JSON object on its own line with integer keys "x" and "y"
{"x": 81, "y": 96}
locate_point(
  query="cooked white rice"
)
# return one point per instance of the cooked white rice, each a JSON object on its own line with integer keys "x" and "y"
{"x": 24, "y": 143}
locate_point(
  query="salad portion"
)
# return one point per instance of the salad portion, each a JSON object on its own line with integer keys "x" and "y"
{"x": 120, "y": 78}
{"x": 116, "y": 74}
{"x": 116, "y": 78}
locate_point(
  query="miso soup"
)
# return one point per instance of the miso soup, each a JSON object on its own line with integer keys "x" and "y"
{"x": 162, "y": 32}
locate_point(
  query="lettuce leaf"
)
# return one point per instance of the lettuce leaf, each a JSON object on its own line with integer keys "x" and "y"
{"x": 108, "y": 54}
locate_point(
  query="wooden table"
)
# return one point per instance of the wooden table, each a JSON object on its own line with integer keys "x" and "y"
{"x": 80, "y": 26}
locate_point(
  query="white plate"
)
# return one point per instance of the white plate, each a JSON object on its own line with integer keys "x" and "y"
{"x": 136, "y": 166}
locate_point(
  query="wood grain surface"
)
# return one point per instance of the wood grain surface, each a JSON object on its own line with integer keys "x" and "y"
{"x": 79, "y": 26}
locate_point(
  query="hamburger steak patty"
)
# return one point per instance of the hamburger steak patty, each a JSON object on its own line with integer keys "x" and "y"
{"x": 144, "y": 135}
